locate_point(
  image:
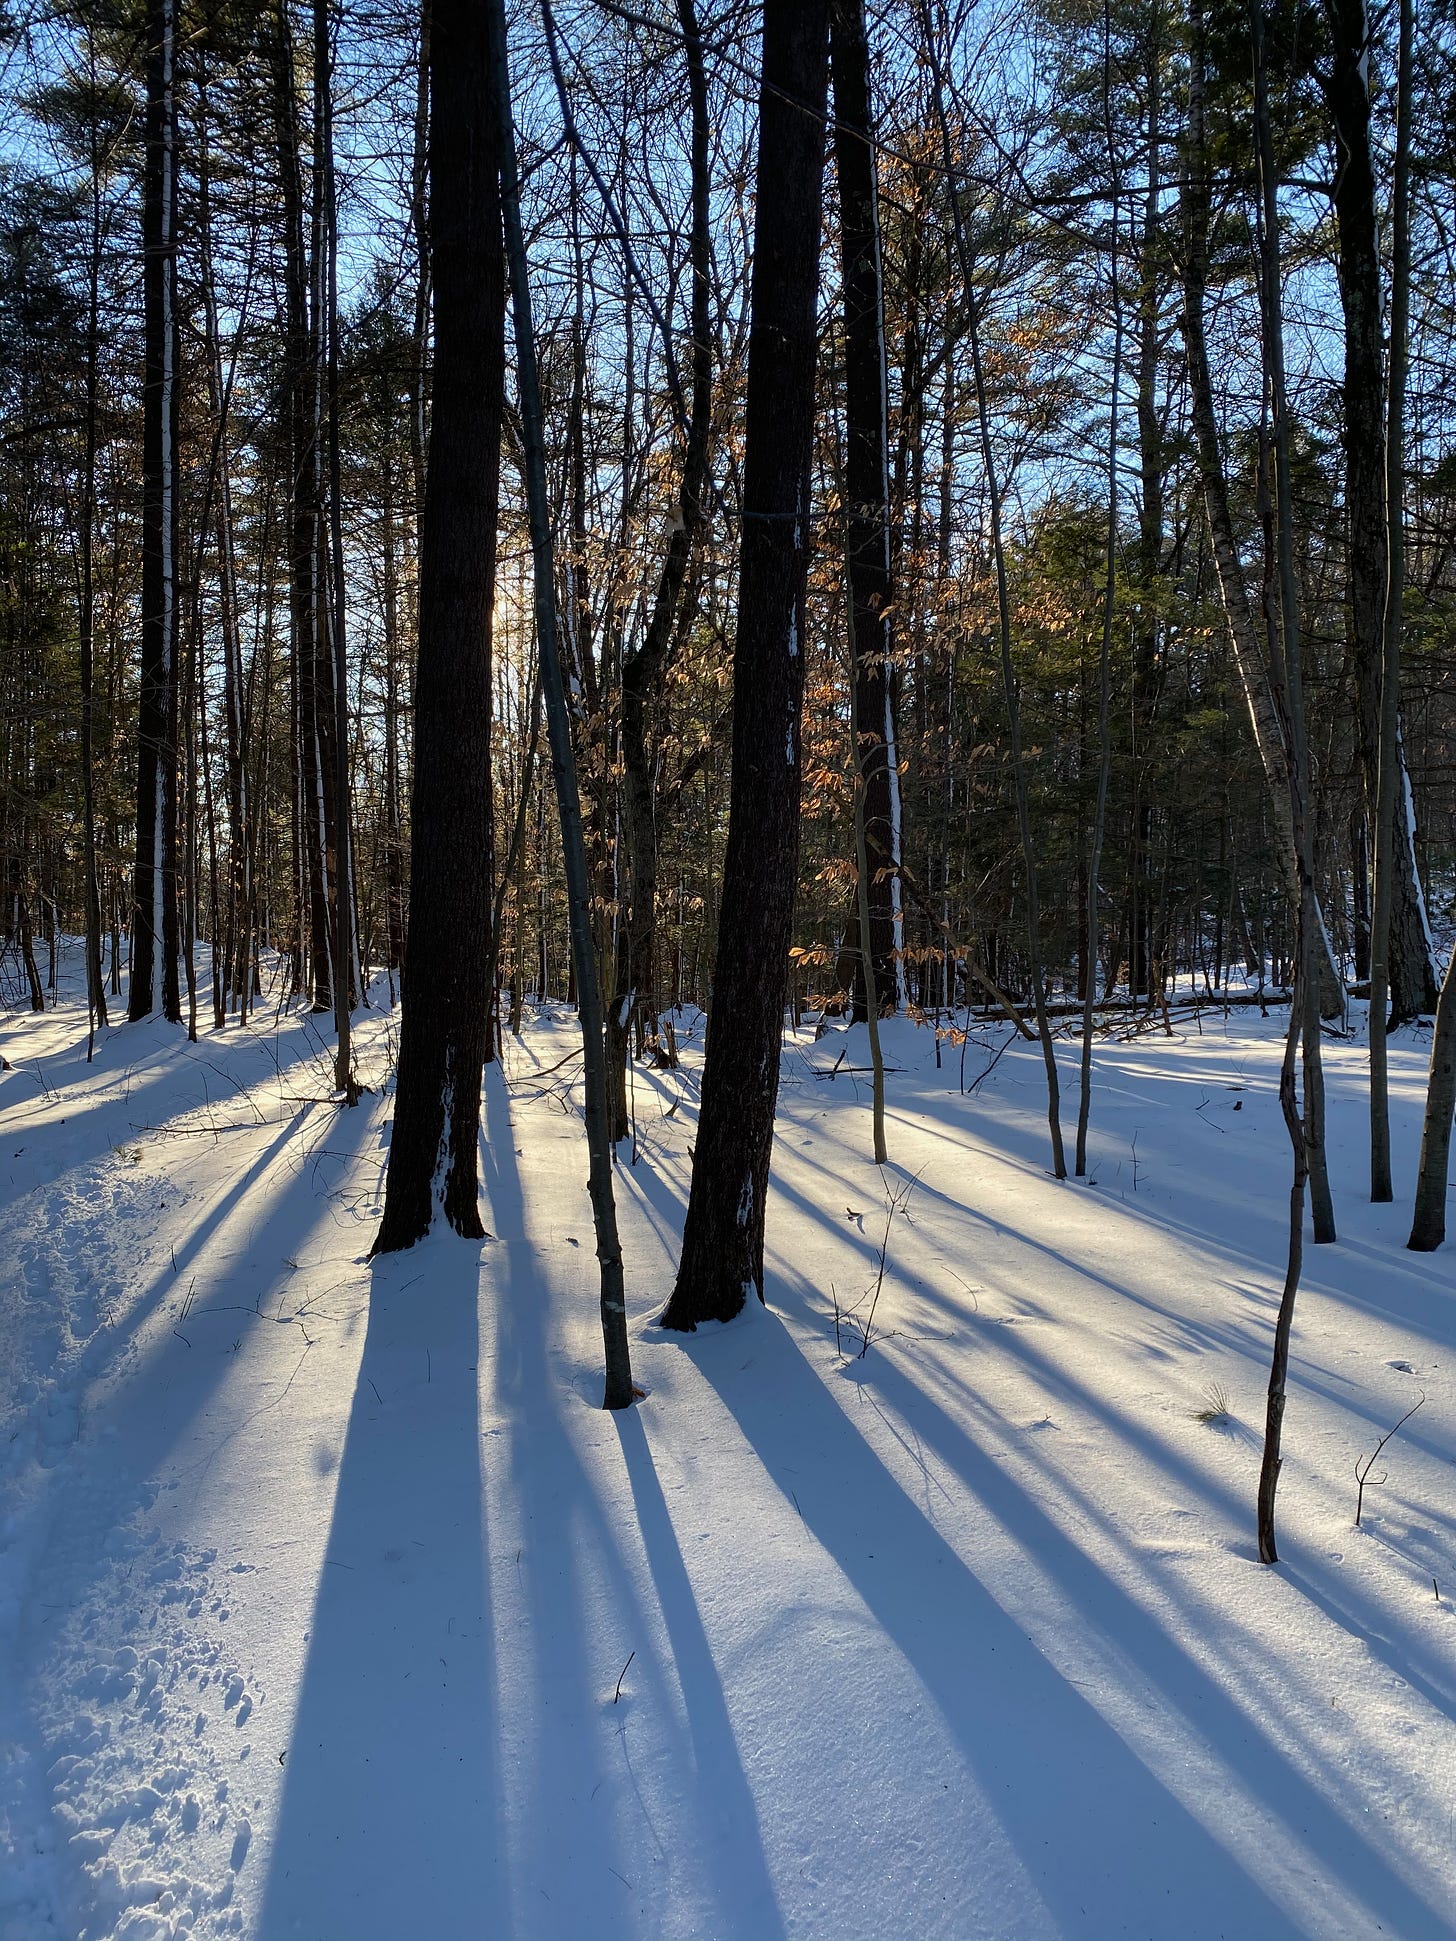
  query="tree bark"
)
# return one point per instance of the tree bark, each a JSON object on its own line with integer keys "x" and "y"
{"x": 1412, "y": 980}
{"x": 1428, "y": 1227}
{"x": 1391, "y": 781}
{"x": 867, "y": 491}
{"x": 155, "y": 930}
{"x": 722, "y": 1256}
{"x": 312, "y": 941}
{"x": 445, "y": 996}
{"x": 95, "y": 985}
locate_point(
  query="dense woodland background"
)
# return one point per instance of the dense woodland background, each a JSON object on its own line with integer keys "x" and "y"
{"x": 1039, "y": 176}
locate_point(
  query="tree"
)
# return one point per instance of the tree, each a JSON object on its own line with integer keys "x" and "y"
{"x": 445, "y": 993}
{"x": 867, "y": 489}
{"x": 644, "y": 667}
{"x": 722, "y": 1252}
{"x": 1411, "y": 981}
{"x": 155, "y": 933}
{"x": 619, "y": 1390}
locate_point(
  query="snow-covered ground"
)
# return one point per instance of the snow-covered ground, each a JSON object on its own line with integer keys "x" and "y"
{"x": 332, "y": 1606}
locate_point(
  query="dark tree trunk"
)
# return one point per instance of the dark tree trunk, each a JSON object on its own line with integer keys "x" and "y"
{"x": 155, "y": 934}
{"x": 1152, "y": 460}
{"x": 1428, "y": 1226}
{"x": 302, "y": 398}
{"x": 867, "y": 490}
{"x": 346, "y": 975}
{"x": 95, "y": 985}
{"x": 722, "y": 1257}
{"x": 1412, "y": 973}
{"x": 445, "y": 999}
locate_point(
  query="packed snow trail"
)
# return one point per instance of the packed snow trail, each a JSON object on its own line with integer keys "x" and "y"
{"x": 332, "y": 1606}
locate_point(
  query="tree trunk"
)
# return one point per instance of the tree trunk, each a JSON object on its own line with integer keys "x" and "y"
{"x": 1104, "y": 656}
{"x": 1289, "y": 687}
{"x": 619, "y": 1390}
{"x": 445, "y": 999}
{"x": 867, "y": 492}
{"x": 155, "y": 933}
{"x": 1428, "y": 1227}
{"x": 95, "y": 985}
{"x": 643, "y": 670}
{"x": 1412, "y": 980}
{"x": 346, "y": 972}
{"x": 1391, "y": 780}
{"x": 722, "y": 1256}
{"x": 1003, "y": 612}
{"x": 1269, "y": 737}
{"x": 312, "y": 941}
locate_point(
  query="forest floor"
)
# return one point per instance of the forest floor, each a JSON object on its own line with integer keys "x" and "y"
{"x": 332, "y": 1606}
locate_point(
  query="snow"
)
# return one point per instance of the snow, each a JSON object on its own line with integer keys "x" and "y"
{"x": 331, "y": 1604}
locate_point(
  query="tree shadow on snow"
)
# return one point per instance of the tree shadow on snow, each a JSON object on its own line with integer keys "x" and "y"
{"x": 390, "y": 1817}
{"x": 604, "y": 1841}
{"x": 1107, "y": 1844}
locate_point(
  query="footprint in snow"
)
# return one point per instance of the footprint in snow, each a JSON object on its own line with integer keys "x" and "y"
{"x": 242, "y": 1839}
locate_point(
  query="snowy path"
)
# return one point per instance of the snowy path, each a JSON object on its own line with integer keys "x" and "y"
{"x": 318, "y": 1580}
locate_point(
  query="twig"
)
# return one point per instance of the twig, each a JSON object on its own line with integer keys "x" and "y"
{"x": 1364, "y": 1464}
{"x": 620, "y": 1676}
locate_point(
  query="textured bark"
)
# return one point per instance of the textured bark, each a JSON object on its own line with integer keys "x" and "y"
{"x": 722, "y": 1256}
{"x": 1347, "y": 90}
{"x": 155, "y": 930}
{"x": 867, "y": 492}
{"x": 445, "y": 999}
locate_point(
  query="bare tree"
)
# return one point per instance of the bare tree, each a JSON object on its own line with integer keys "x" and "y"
{"x": 444, "y": 986}
{"x": 155, "y": 928}
{"x": 722, "y": 1254}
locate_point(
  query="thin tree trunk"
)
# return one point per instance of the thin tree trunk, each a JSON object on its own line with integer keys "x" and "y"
{"x": 1389, "y": 763}
{"x": 1306, "y": 1130}
{"x": 312, "y": 942}
{"x": 1269, "y": 738}
{"x": 619, "y": 1390}
{"x": 1104, "y": 658}
{"x": 95, "y": 984}
{"x": 1321, "y": 1204}
{"x": 867, "y": 492}
{"x": 869, "y": 970}
{"x": 636, "y": 996}
{"x": 1003, "y": 612}
{"x": 346, "y": 975}
{"x": 155, "y": 939}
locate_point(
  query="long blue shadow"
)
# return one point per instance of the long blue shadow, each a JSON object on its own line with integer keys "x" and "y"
{"x": 728, "y": 1819}
{"x": 584, "y": 1610}
{"x": 390, "y": 1821}
{"x": 1106, "y": 1843}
